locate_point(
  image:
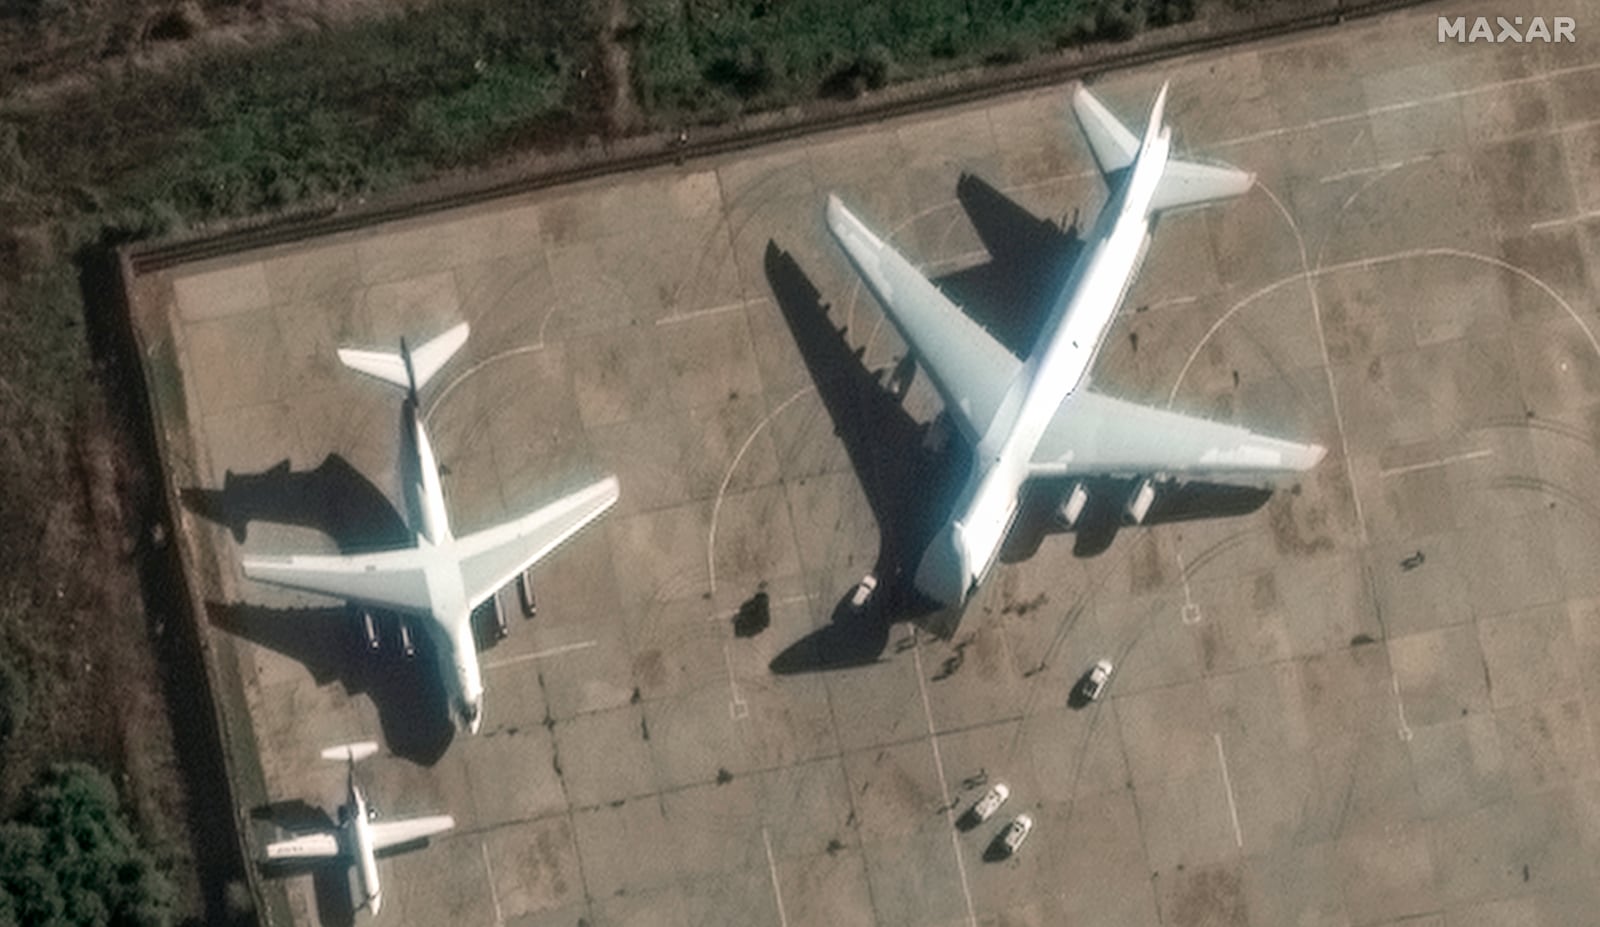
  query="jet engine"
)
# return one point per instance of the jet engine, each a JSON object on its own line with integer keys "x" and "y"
{"x": 1139, "y": 501}
{"x": 1072, "y": 505}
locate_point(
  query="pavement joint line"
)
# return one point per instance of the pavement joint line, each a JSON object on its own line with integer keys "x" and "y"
{"x": 1376, "y": 168}
{"x": 494, "y": 896}
{"x": 709, "y": 311}
{"x": 1227, "y": 785}
{"x": 1307, "y": 275}
{"x": 944, "y": 783}
{"x": 1407, "y": 104}
{"x": 540, "y": 654}
{"x": 1438, "y": 462}
{"x": 772, "y": 870}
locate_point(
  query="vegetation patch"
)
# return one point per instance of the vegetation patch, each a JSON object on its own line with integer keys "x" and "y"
{"x": 698, "y": 59}
{"x": 70, "y": 858}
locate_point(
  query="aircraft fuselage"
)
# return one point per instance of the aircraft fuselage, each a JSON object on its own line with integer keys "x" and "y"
{"x": 449, "y": 623}
{"x": 362, "y": 850}
{"x": 964, "y": 552}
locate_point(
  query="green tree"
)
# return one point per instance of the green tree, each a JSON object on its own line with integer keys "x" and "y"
{"x": 70, "y": 859}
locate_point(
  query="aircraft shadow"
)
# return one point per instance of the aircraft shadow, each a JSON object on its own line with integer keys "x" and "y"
{"x": 330, "y": 880}
{"x": 407, "y": 692}
{"x": 334, "y": 498}
{"x": 1029, "y": 262}
{"x": 887, "y": 451}
{"x": 1103, "y": 515}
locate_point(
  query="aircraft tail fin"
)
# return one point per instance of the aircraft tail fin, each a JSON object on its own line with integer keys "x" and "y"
{"x": 410, "y": 370}
{"x": 1183, "y": 183}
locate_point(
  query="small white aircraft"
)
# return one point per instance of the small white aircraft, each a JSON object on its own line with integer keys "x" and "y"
{"x": 1037, "y": 417}
{"x": 359, "y": 839}
{"x": 443, "y": 578}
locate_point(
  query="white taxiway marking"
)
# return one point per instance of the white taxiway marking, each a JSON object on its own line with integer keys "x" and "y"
{"x": 1400, "y": 705}
{"x": 1409, "y": 104}
{"x": 1227, "y": 785}
{"x": 737, "y": 706}
{"x": 494, "y": 896}
{"x": 1191, "y": 611}
{"x": 772, "y": 869}
{"x": 944, "y": 784}
{"x": 539, "y": 654}
{"x": 702, "y": 313}
{"x": 1376, "y": 168}
{"x": 1440, "y": 462}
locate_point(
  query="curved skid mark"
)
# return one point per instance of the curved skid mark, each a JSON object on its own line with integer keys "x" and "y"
{"x": 1363, "y": 263}
{"x": 716, "y": 507}
{"x": 438, "y": 400}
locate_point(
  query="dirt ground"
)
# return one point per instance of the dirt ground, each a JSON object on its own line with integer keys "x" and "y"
{"x": 51, "y": 45}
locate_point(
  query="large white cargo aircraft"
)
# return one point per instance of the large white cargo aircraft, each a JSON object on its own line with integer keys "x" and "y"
{"x": 1037, "y": 417}
{"x": 443, "y": 578}
{"x": 360, "y": 838}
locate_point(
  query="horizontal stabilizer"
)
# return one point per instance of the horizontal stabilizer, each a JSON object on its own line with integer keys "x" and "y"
{"x": 351, "y": 752}
{"x": 1183, "y": 183}
{"x": 1114, "y": 146}
{"x": 425, "y": 361}
{"x": 309, "y": 846}
{"x": 389, "y": 834}
{"x": 1190, "y": 183}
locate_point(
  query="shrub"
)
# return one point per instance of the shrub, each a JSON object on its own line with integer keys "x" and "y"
{"x": 71, "y": 858}
{"x": 13, "y": 703}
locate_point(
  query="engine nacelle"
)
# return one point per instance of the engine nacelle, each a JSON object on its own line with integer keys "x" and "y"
{"x": 1072, "y": 505}
{"x": 1139, "y": 502}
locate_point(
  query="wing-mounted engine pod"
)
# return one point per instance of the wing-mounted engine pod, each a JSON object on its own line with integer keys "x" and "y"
{"x": 1072, "y": 505}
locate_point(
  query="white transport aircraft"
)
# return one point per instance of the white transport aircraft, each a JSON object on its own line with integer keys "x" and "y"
{"x": 443, "y": 578}
{"x": 360, "y": 838}
{"x": 1038, "y": 417}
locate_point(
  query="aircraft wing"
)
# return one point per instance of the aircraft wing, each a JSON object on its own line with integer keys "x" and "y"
{"x": 1095, "y": 435}
{"x": 970, "y": 369}
{"x": 389, "y": 834}
{"x": 493, "y": 557}
{"x": 390, "y": 579}
{"x": 308, "y": 846}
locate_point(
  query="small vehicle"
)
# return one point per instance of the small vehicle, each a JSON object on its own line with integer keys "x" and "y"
{"x": 991, "y": 802}
{"x": 1016, "y": 832}
{"x": 1095, "y": 682}
{"x": 863, "y": 593}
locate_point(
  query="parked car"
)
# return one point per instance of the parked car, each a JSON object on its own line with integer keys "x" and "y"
{"x": 1016, "y": 832}
{"x": 863, "y": 593}
{"x": 991, "y": 802}
{"x": 1095, "y": 682}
